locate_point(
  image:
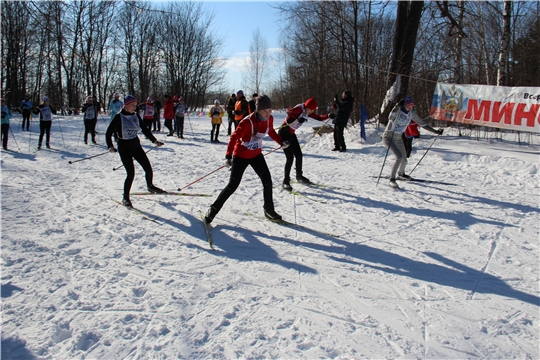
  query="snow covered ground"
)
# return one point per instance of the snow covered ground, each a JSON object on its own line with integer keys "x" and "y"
{"x": 434, "y": 271}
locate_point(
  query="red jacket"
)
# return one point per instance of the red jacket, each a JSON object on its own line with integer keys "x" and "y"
{"x": 296, "y": 112}
{"x": 244, "y": 134}
{"x": 168, "y": 109}
{"x": 412, "y": 130}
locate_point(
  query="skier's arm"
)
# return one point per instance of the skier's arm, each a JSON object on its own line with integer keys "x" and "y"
{"x": 417, "y": 119}
{"x": 272, "y": 133}
{"x": 243, "y": 129}
{"x": 113, "y": 127}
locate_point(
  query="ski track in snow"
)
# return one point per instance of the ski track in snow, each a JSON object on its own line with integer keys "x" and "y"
{"x": 455, "y": 277}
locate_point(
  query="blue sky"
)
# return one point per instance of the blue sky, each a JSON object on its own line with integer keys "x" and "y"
{"x": 236, "y": 22}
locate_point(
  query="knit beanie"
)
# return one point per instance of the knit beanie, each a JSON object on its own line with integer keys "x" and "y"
{"x": 311, "y": 103}
{"x": 263, "y": 103}
{"x": 239, "y": 93}
{"x": 45, "y": 98}
{"x": 128, "y": 99}
{"x": 408, "y": 101}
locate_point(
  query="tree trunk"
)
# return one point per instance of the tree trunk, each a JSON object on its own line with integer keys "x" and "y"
{"x": 505, "y": 40}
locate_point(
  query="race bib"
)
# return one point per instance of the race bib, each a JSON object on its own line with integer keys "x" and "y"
{"x": 46, "y": 113}
{"x": 130, "y": 126}
{"x": 90, "y": 112}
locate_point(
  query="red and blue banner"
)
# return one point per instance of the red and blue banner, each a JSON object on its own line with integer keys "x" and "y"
{"x": 513, "y": 108}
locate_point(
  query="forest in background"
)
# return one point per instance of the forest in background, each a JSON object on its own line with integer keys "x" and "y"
{"x": 69, "y": 49}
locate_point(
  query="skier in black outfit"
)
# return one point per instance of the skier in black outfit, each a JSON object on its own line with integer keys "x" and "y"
{"x": 343, "y": 112}
{"x": 45, "y": 112}
{"x": 91, "y": 111}
{"x": 126, "y": 125}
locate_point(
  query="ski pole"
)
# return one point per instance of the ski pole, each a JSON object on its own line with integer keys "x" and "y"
{"x": 15, "y": 139}
{"x": 61, "y": 133}
{"x": 191, "y": 127}
{"x": 219, "y": 168}
{"x": 433, "y": 142}
{"x": 121, "y": 166}
{"x": 86, "y": 158}
{"x": 385, "y": 156}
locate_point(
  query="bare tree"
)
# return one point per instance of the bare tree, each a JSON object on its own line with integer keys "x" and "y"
{"x": 257, "y": 62}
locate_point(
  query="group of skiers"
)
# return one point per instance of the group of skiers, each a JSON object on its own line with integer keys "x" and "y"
{"x": 252, "y": 122}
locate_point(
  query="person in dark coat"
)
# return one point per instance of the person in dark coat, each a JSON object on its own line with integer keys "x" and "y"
{"x": 341, "y": 118}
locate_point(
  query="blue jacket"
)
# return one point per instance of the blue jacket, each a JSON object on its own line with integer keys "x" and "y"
{"x": 26, "y": 105}
{"x": 6, "y": 114}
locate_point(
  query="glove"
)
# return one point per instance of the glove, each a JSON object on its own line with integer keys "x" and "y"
{"x": 302, "y": 120}
{"x": 228, "y": 162}
{"x": 158, "y": 143}
{"x": 112, "y": 150}
{"x": 440, "y": 131}
{"x": 332, "y": 115}
{"x": 285, "y": 144}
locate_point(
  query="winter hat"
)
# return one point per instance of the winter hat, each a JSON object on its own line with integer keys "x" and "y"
{"x": 263, "y": 103}
{"x": 128, "y": 99}
{"x": 149, "y": 99}
{"x": 175, "y": 97}
{"x": 180, "y": 99}
{"x": 45, "y": 98}
{"x": 89, "y": 97}
{"x": 408, "y": 101}
{"x": 216, "y": 101}
{"x": 239, "y": 93}
{"x": 349, "y": 94}
{"x": 311, "y": 103}
{"x": 115, "y": 95}
{"x": 233, "y": 95}
{"x": 255, "y": 95}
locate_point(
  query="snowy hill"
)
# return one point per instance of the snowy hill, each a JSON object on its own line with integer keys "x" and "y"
{"x": 433, "y": 271}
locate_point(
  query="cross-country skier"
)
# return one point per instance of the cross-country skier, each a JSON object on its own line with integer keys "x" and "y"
{"x": 6, "y": 115}
{"x": 90, "y": 110}
{"x": 180, "y": 109}
{"x": 126, "y": 125}
{"x": 168, "y": 114}
{"x": 216, "y": 114}
{"x": 398, "y": 121}
{"x": 241, "y": 108}
{"x": 295, "y": 118}
{"x": 115, "y": 106}
{"x": 148, "y": 112}
{"x": 231, "y": 101}
{"x": 245, "y": 149}
{"x": 45, "y": 112}
{"x": 26, "y": 111}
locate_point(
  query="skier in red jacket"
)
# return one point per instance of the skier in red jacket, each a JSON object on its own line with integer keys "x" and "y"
{"x": 245, "y": 148}
{"x": 295, "y": 118}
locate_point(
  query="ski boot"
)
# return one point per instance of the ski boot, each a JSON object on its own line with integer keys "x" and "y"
{"x": 155, "y": 190}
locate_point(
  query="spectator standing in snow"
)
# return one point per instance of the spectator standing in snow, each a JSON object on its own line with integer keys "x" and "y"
{"x": 115, "y": 106}
{"x": 126, "y": 126}
{"x": 6, "y": 115}
{"x": 156, "y": 124}
{"x": 148, "y": 112}
{"x": 231, "y": 101}
{"x": 90, "y": 110}
{"x": 179, "y": 113}
{"x": 252, "y": 102}
{"x": 398, "y": 121}
{"x": 245, "y": 149}
{"x": 216, "y": 114}
{"x": 45, "y": 112}
{"x": 26, "y": 111}
{"x": 168, "y": 114}
{"x": 295, "y": 118}
{"x": 341, "y": 118}
{"x": 241, "y": 108}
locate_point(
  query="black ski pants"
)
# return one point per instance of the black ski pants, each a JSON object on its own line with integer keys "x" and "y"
{"x": 90, "y": 128}
{"x": 231, "y": 120}
{"x": 292, "y": 152}
{"x": 26, "y": 113}
{"x": 215, "y": 129}
{"x": 44, "y": 128}
{"x": 179, "y": 125}
{"x": 168, "y": 125}
{"x": 129, "y": 150}
{"x": 5, "y": 134}
{"x": 239, "y": 165}
{"x": 339, "y": 139}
